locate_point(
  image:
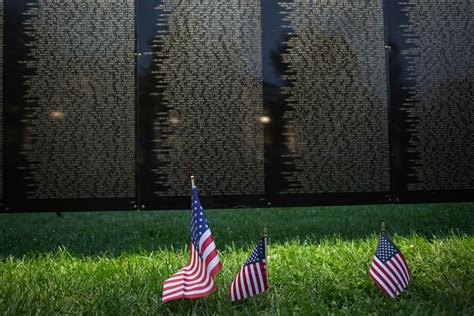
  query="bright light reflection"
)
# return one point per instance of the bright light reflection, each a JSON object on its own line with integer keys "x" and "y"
{"x": 174, "y": 120}
{"x": 57, "y": 115}
{"x": 265, "y": 119}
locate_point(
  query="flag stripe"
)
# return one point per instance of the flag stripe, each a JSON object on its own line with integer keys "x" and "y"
{"x": 243, "y": 288}
{"x": 204, "y": 237}
{"x": 236, "y": 290}
{"x": 260, "y": 277}
{"x": 383, "y": 278}
{"x": 194, "y": 280}
{"x": 396, "y": 273}
{"x": 214, "y": 265}
{"x": 401, "y": 262}
{"x": 188, "y": 289}
{"x": 196, "y": 276}
{"x": 249, "y": 281}
{"x": 232, "y": 292}
{"x": 189, "y": 267}
{"x": 398, "y": 266}
{"x": 183, "y": 275}
{"x": 265, "y": 274}
{"x": 196, "y": 287}
{"x": 388, "y": 274}
{"x": 254, "y": 279}
{"x": 383, "y": 284}
{"x": 188, "y": 270}
{"x": 188, "y": 284}
{"x": 376, "y": 279}
{"x": 207, "y": 248}
{"x": 191, "y": 294}
{"x": 398, "y": 281}
{"x": 404, "y": 262}
{"x": 211, "y": 253}
{"x": 245, "y": 284}
{"x": 406, "y": 266}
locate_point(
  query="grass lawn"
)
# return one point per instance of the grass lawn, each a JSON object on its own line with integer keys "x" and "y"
{"x": 116, "y": 262}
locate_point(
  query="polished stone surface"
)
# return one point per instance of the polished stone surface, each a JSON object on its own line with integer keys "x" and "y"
{"x": 112, "y": 105}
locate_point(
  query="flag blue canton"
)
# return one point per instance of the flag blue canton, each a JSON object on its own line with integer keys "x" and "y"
{"x": 385, "y": 249}
{"x": 258, "y": 253}
{"x": 198, "y": 223}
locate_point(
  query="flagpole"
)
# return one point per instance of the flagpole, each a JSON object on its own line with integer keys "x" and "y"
{"x": 382, "y": 228}
{"x": 192, "y": 181}
{"x": 265, "y": 238}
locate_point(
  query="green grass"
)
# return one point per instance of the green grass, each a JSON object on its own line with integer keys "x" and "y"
{"x": 116, "y": 262}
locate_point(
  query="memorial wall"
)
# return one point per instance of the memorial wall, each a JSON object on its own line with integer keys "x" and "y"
{"x": 442, "y": 90}
{"x": 113, "y": 104}
{"x": 335, "y": 75}
{"x": 432, "y": 96}
{"x": 74, "y": 101}
{"x": 208, "y": 78}
{"x": 1, "y": 105}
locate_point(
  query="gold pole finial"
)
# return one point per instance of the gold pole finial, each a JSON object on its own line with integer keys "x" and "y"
{"x": 192, "y": 180}
{"x": 383, "y": 227}
{"x": 265, "y": 231}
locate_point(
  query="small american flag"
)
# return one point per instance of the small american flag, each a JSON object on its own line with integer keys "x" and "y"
{"x": 196, "y": 279}
{"x": 252, "y": 278}
{"x": 388, "y": 269}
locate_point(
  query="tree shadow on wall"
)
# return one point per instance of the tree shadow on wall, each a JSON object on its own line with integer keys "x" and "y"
{"x": 332, "y": 108}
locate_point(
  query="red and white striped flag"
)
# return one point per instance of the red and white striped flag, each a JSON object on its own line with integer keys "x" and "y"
{"x": 389, "y": 270}
{"x": 252, "y": 278}
{"x": 196, "y": 279}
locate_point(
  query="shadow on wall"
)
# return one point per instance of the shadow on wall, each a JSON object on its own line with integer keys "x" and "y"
{"x": 114, "y": 233}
